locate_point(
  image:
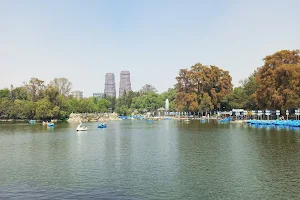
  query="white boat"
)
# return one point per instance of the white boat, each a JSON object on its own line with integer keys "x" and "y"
{"x": 81, "y": 128}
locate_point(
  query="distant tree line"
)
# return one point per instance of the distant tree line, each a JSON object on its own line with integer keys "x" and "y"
{"x": 201, "y": 88}
{"x": 35, "y": 100}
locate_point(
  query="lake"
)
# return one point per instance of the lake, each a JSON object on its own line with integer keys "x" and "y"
{"x": 135, "y": 159}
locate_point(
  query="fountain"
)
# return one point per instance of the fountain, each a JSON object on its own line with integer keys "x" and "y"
{"x": 167, "y": 105}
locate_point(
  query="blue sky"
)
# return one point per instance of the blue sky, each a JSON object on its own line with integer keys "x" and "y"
{"x": 83, "y": 40}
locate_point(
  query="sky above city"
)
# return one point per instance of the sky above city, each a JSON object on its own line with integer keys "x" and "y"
{"x": 83, "y": 40}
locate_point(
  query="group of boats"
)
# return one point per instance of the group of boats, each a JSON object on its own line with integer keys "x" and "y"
{"x": 155, "y": 119}
{"x": 227, "y": 119}
{"x": 291, "y": 123}
{"x": 49, "y": 124}
{"x": 80, "y": 127}
{"x": 144, "y": 117}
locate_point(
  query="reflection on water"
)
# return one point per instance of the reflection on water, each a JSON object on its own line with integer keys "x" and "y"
{"x": 135, "y": 159}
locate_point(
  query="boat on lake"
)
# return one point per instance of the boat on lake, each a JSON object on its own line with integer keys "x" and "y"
{"x": 50, "y": 124}
{"x": 81, "y": 128}
{"x": 227, "y": 119}
{"x": 32, "y": 121}
{"x": 102, "y": 126}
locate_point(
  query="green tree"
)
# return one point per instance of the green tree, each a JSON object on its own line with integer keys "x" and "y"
{"x": 103, "y": 105}
{"x": 62, "y": 102}
{"x": 238, "y": 98}
{"x": 18, "y": 93}
{"x": 17, "y": 110}
{"x": 4, "y": 93}
{"x": 123, "y": 110}
{"x": 44, "y": 109}
{"x": 170, "y": 95}
{"x": 73, "y": 106}
{"x": 88, "y": 106}
{"x": 113, "y": 101}
{"x": 30, "y": 109}
{"x": 126, "y": 100}
{"x": 148, "y": 101}
{"x": 52, "y": 93}
{"x": 250, "y": 86}
{"x": 5, "y": 107}
{"x": 55, "y": 112}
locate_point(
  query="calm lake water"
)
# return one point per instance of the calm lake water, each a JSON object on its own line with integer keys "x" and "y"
{"x": 141, "y": 160}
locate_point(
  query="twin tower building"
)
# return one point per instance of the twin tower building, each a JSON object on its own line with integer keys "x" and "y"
{"x": 110, "y": 85}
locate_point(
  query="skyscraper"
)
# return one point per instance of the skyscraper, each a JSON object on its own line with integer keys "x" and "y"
{"x": 110, "y": 86}
{"x": 125, "y": 84}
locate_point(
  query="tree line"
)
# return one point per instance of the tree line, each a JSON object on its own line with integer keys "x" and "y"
{"x": 273, "y": 86}
{"x": 36, "y": 100}
{"x": 145, "y": 100}
{"x": 201, "y": 88}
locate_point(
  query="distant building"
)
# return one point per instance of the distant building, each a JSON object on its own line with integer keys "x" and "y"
{"x": 77, "y": 94}
{"x": 110, "y": 86}
{"x": 125, "y": 84}
{"x": 98, "y": 95}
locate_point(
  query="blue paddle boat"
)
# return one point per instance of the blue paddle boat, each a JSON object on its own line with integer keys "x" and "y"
{"x": 50, "y": 125}
{"x": 102, "y": 126}
{"x": 32, "y": 121}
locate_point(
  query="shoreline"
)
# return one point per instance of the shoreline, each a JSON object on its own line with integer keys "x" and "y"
{"x": 105, "y": 117}
{"x": 27, "y": 120}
